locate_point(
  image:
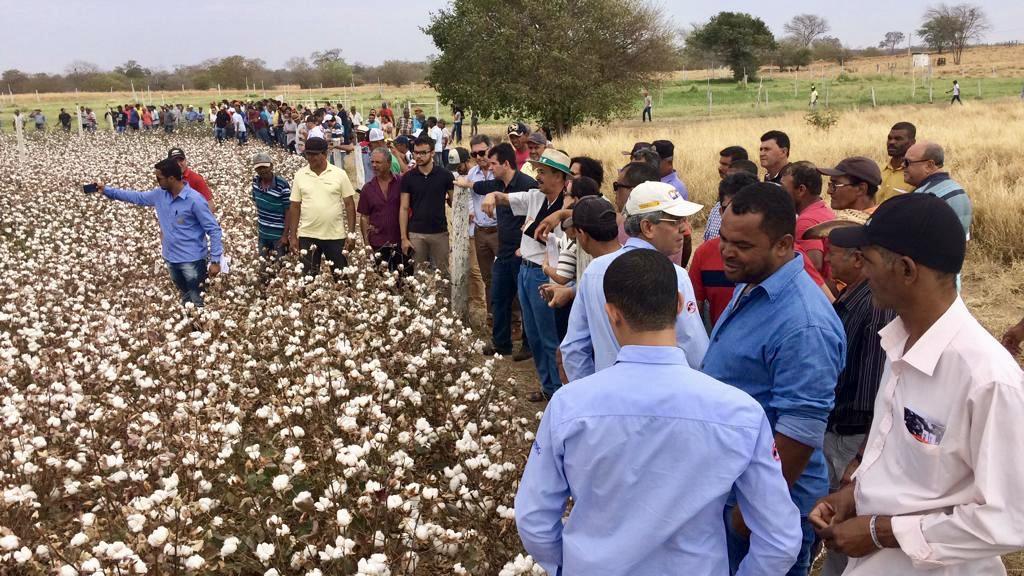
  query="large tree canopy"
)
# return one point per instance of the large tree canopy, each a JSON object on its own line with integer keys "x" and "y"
{"x": 739, "y": 40}
{"x": 559, "y": 61}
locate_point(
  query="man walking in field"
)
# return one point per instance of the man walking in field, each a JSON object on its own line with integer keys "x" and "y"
{"x": 956, "y": 93}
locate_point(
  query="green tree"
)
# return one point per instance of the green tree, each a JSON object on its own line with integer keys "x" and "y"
{"x": 954, "y": 27}
{"x": 331, "y": 68}
{"x": 740, "y": 40}
{"x": 561, "y": 62}
{"x": 891, "y": 41}
{"x": 792, "y": 53}
{"x": 831, "y": 49}
{"x": 937, "y": 32}
{"x": 132, "y": 69}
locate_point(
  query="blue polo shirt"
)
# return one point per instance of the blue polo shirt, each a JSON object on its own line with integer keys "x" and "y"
{"x": 185, "y": 221}
{"x": 783, "y": 344}
{"x": 673, "y": 179}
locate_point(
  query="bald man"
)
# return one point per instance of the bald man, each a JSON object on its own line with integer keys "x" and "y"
{"x": 923, "y": 167}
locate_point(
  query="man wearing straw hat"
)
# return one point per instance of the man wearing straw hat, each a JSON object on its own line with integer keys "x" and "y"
{"x": 553, "y": 173}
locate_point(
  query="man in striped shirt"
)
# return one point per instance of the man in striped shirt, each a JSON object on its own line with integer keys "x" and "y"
{"x": 271, "y": 193}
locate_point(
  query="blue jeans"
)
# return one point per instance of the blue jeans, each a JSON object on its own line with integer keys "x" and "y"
{"x": 738, "y": 546}
{"x": 242, "y": 137}
{"x": 504, "y": 279}
{"x": 218, "y": 133}
{"x": 539, "y": 325}
{"x": 189, "y": 278}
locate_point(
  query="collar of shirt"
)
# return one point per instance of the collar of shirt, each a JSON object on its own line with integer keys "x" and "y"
{"x": 476, "y": 174}
{"x": 775, "y": 285}
{"x": 887, "y": 167}
{"x": 634, "y": 242}
{"x": 933, "y": 179}
{"x": 852, "y": 297}
{"x": 925, "y": 353}
{"x": 652, "y": 355}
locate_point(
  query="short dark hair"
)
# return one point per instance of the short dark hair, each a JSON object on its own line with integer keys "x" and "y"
{"x": 779, "y": 136}
{"x": 907, "y": 127}
{"x": 642, "y": 284}
{"x": 169, "y": 168}
{"x": 606, "y": 234}
{"x": 734, "y": 153}
{"x": 805, "y": 174}
{"x": 747, "y": 166}
{"x": 773, "y": 204}
{"x": 590, "y": 168}
{"x": 480, "y": 139}
{"x": 733, "y": 183}
{"x": 583, "y": 186}
{"x": 636, "y": 173}
{"x": 504, "y": 153}
{"x": 423, "y": 139}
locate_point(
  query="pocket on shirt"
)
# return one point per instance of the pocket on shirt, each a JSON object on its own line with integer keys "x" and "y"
{"x": 921, "y": 461}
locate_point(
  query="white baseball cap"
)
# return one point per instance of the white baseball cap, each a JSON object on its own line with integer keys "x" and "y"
{"x": 653, "y": 196}
{"x": 376, "y": 135}
{"x": 328, "y": 117}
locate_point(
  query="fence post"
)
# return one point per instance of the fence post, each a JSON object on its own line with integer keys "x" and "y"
{"x": 873, "y": 103}
{"x": 979, "y": 87}
{"x": 460, "y": 253}
{"x": 19, "y": 129}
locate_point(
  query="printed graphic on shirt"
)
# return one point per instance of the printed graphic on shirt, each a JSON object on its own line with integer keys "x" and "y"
{"x": 775, "y": 453}
{"x": 691, "y": 307}
{"x": 922, "y": 429}
{"x": 536, "y": 446}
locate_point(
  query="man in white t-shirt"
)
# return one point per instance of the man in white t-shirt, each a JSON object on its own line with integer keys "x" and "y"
{"x": 239, "y": 123}
{"x": 553, "y": 174}
{"x": 437, "y": 135}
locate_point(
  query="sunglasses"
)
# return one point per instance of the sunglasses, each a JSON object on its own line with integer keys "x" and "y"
{"x": 478, "y": 153}
{"x": 617, "y": 185}
{"x": 907, "y": 163}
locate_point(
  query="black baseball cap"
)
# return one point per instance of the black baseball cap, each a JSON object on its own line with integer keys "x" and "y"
{"x": 315, "y": 144}
{"x": 176, "y": 153}
{"x": 592, "y": 213}
{"x": 922, "y": 227}
{"x": 403, "y": 139}
{"x": 665, "y": 148}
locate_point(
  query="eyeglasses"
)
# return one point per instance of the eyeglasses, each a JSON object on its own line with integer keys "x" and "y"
{"x": 907, "y": 163}
{"x": 421, "y": 152}
{"x": 679, "y": 223}
{"x": 478, "y": 153}
{"x": 834, "y": 186}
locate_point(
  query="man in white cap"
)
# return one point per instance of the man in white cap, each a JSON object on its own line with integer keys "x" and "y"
{"x": 655, "y": 220}
{"x": 375, "y": 139}
{"x": 553, "y": 173}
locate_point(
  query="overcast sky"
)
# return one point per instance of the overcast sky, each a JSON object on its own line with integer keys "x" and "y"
{"x": 46, "y": 35}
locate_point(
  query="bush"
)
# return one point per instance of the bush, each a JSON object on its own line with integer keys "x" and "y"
{"x": 823, "y": 119}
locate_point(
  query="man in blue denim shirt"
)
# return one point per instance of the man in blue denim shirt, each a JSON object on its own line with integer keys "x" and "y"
{"x": 185, "y": 222}
{"x": 780, "y": 341}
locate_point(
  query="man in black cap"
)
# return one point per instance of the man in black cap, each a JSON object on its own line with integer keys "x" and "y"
{"x": 853, "y": 184}
{"x": 322, "y": 210}
{"x": 517, "y": 133}
{"x": 938, "y": 477}
{"x": 667, "y": 172}
{"x": 194, "y": 179}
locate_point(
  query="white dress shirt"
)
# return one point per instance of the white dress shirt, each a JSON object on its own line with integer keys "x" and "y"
{"x": 943, "y": 455}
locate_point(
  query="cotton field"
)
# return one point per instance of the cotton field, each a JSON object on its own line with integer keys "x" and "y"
{"x": 328, "y": 426}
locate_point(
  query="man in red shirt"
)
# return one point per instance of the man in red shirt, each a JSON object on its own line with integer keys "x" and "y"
{"x": 803, "y": 182}
{"x": 707, "y": 271}
{"x": 518, "y": 135}
{"x": 194, "y": 179}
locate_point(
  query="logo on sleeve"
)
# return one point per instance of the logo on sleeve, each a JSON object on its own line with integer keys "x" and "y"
{"x": 691, "y": 307}
{"x": 775, "y": 453}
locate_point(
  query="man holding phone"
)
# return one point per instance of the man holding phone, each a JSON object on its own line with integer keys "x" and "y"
{"x": 185, "y": 223}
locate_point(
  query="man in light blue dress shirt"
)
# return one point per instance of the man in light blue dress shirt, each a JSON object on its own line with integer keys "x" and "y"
{"x": 780, "y": 341}
{"x": 185, "y": 224}
{"x": 650, "y": 450}
{"x": 655, "y": 220}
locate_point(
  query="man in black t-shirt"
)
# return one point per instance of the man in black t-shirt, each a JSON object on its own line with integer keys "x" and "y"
{"x": 65, "y": 120}
{"x": 505, "y": 270}
{"x": 425, "y": 191}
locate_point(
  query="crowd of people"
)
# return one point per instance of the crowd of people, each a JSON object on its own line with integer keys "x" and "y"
{"x": 810, "y": 377}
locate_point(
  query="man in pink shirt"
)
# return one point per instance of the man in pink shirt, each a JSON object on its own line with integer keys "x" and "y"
{"x": 803, "y": 182}
{"x": 937, "y": 483}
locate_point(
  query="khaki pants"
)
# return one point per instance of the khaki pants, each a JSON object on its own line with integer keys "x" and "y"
{"x": 477, "y": 289}
{"x": 431, "y": 247}
{"x": 485, "y": 244}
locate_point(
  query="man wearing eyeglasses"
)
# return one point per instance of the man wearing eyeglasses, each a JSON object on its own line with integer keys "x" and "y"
{"x": 425, "y": 191}
{"x": 923, "y": 167}
{"x": 322, "y": 210}
{"x": 853, "y": 184}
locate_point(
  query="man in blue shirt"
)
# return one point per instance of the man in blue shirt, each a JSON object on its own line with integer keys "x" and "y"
{"x": 780, "y": 341}
{"x": 185, "y": 223}
{"x": 655, "y": 216}
{"x": 650, "y": 450}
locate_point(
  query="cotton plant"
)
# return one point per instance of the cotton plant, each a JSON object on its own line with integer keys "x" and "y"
{"x": 298, "y": 426}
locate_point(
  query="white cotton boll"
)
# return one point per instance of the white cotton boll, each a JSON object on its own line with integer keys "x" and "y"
{"x": 140, "y": 567}
{"x": 91, "y": 566}
{"x": 394, "y": 501}
{"x": 429, "y": 493}
{"x": 280, "y": 483}
{"x": 194, "y": 562}
{"x": 303, "y": 501}
{"x": 264, "y": 551}
{"x": 67, "y": 570}
{"x": 229, "y": 547}
{"x": 78, "y": 539}
{"x": 157, "y": 538}
{"x": 344, "y": 517}
{"x": 233, "y": 428}
{"x": 9, "y": 542}
{"x": 88, "y": 519}
{"x": 271, "y": 572}
{"x": 23, "y": 555}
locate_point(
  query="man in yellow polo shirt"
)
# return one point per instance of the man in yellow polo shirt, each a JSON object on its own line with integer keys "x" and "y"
{"x": 322, "y": 210}
{"x": 902, "y": 136}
